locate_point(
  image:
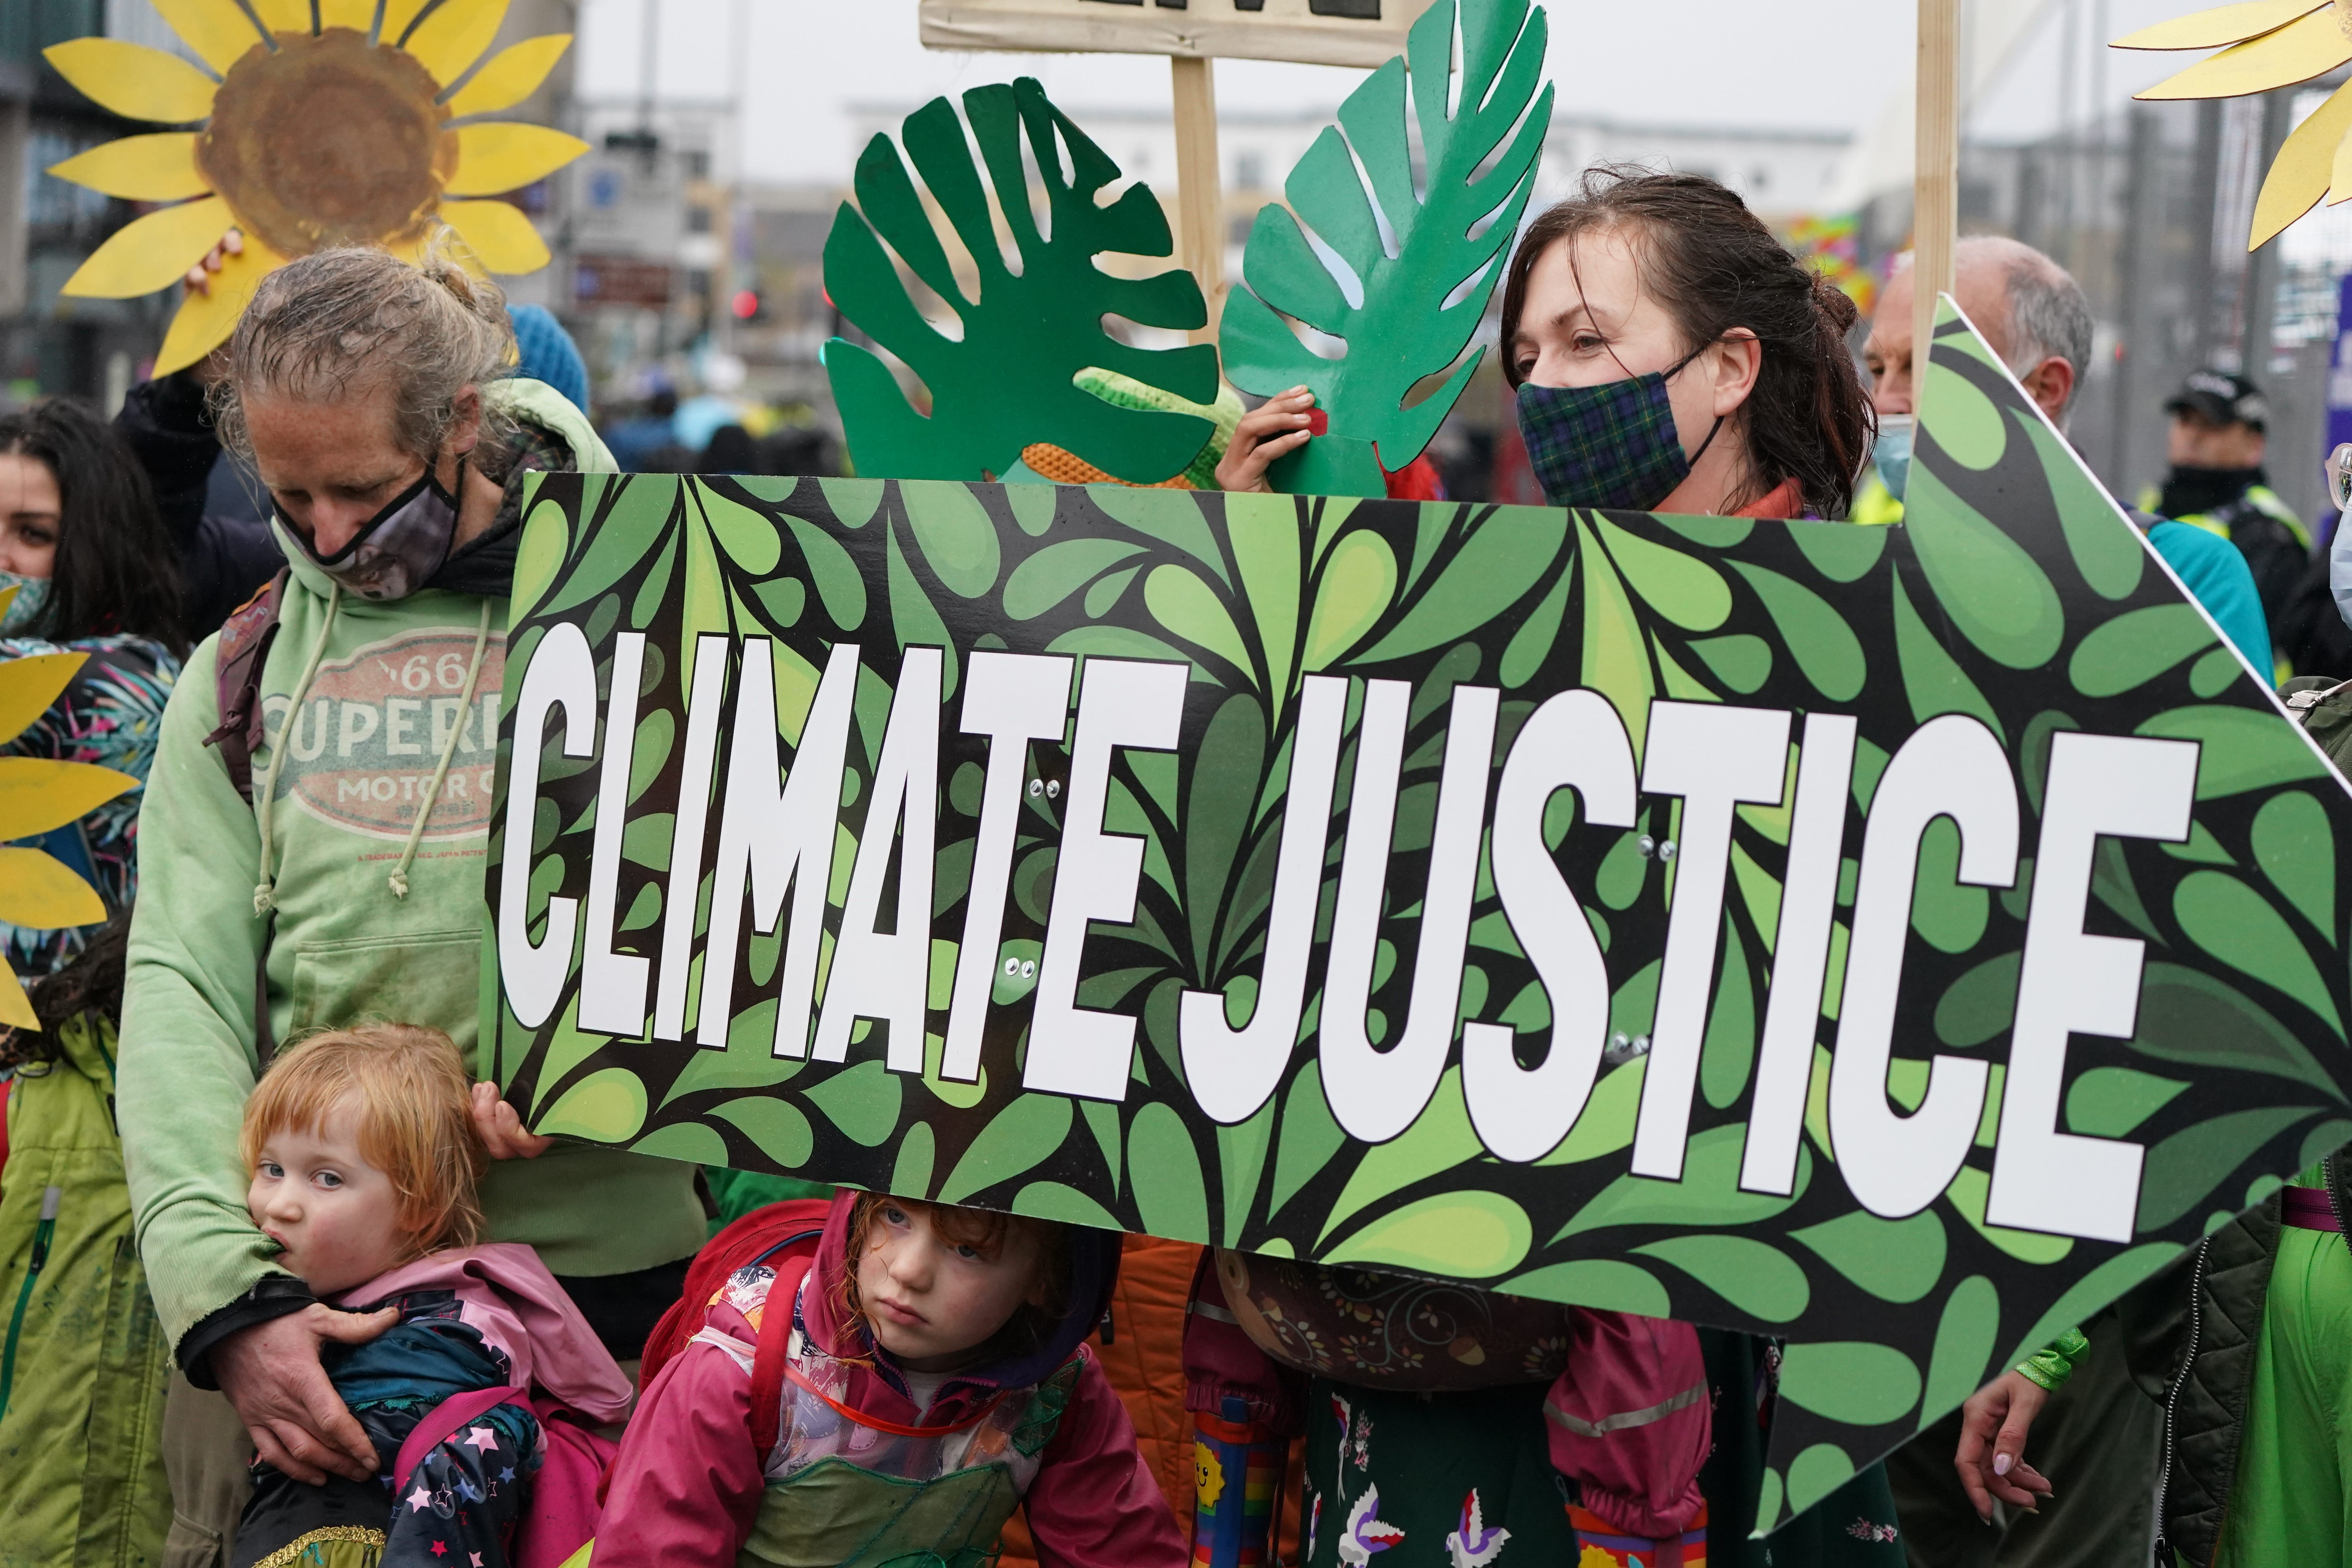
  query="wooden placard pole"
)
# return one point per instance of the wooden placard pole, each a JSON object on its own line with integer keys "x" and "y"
{"x": 1936, "y": 202}
{"x": 1200, "y": 195}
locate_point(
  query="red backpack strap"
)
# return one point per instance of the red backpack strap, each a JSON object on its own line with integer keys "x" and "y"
{"x": 441, "y": 1422}
{"x": 768, "y": 1361}
{"x": 239, "y": 660}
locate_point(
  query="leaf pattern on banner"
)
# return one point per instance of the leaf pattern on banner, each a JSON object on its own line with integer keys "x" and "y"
{"x": 2244, "y": 985}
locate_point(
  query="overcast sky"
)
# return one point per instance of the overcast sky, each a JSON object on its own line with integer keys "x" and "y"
{"x": 1780, "y": 63}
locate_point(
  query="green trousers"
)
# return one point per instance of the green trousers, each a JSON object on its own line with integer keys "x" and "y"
{"x": 2292, "y": 1502}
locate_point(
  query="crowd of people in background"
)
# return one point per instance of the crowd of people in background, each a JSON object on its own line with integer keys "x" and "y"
{"x": 309, "y": 1292}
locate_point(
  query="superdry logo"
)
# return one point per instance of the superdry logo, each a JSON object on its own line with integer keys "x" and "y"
{"x": 374, "y": 726}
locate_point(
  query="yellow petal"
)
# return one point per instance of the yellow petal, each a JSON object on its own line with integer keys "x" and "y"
{"x": 216, "y": 29}
{"x": 37, "y": 794}
{"x": 157, "y": 168}
{"x": 2339, "y": 174}
{"x": 284, "y": 15}
{"x": 16, "y": 1008}
{"x": 512, "y": 75}
{"x": 2299, "y": 175}
{"x": 2223, "y": 24}
{"x": 499, "y": 233}
{"x": 452, "y": 38}
{"x": 28, "y": 685}
{"x": 359, "y": 16}
{"x": 133, "y": 80}
{"x": 150, "y": 253}
{"x": 507, "y": 156}
{"x": 40, "y": 893}
{"x": 399, "y": 15}
{"x": 2296, "y": 52}
{"x": 206, "y": 321}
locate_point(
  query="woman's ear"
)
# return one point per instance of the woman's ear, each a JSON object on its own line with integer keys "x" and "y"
{"x": 465, "y": 421}
{"x": 1738, "y": 361}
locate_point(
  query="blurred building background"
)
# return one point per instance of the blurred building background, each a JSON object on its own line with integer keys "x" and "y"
{"x": 692, "y": 277}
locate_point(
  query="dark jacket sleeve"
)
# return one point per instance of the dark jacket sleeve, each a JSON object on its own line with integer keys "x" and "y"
{"x": 164, "y": 422}
{"x": 224, "y": 561}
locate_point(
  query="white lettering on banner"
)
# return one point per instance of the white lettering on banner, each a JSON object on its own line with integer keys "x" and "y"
{"x": 1075, "y": 1050}
{"x": 2075, "y": 983}
{"x": 1377, "y": 1092}
{"x": 1715, "y": 757}
{"x": 777, "y": 832}
{"x": 1012, "y": 698}
{"x": 1235, "y": 1071}
{"x": 613, "y": 985}
{"x": 562, "y": 675}
{"x": 774, "y": 837}
{"x": 1800, "y": 950}
{"x": 887, "y": 975}
{"x": 1575, "y": 740}
{"x": 696, "y": 770}
{"x": 1896, "y": 1165}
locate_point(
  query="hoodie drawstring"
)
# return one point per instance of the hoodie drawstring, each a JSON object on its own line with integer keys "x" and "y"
{"x": 265, "y": 895}
{"x": 448, "y": 752}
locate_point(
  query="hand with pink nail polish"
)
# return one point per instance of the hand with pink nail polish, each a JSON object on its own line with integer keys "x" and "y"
{"x": 1991, "y": 1456}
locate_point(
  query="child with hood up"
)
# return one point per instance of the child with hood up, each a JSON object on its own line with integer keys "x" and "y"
{"x": 896, "y": 1397}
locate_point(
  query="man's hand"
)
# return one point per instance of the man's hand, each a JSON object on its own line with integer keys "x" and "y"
{"x": 1275, "y": 430}
{"x": 1991, "y": 1456}
{"x": 270, "y": 1372}
{"x": 501, "y": 1131}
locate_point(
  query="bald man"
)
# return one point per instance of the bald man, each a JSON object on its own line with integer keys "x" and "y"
{"x": 2032, "y": 314}
{"x": 2029, "y": 309}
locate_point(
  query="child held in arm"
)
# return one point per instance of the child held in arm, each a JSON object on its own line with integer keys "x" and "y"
{"x": 364, "y": 1158}
{"x": 893, "y": 1396}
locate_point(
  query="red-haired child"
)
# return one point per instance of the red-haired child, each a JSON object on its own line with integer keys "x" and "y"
{"x": 364, "y": 1159}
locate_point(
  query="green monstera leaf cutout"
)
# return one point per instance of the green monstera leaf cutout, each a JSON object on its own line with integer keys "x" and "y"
{"x": 1403, "y": 276}
{"x": 1008, "y": 378}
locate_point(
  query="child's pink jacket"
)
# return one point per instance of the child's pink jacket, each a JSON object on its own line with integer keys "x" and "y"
{"x": 505, "y": 1293}
{"x": 688, "y": 1483}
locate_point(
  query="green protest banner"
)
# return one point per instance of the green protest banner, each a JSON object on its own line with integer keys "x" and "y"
{"x": 1901, "y": 940}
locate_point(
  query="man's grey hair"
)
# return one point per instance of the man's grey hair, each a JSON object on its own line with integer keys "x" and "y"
{"x": 2048, "y": 316}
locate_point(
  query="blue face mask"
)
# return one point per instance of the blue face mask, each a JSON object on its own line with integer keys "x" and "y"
{"x": 25, "y": 609}
{"x": 1613, "y": 446}
{"x": 1893, "y": 453}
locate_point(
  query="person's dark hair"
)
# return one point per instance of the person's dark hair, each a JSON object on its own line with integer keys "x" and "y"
{"x": 92, "y": 982}
{"x": 1716, "y": 267}
{"x": 117, "y": 569}
{"x": 731, "y": 451}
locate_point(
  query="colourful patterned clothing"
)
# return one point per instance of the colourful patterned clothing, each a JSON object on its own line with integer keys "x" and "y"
{"x": 111, "y": 714}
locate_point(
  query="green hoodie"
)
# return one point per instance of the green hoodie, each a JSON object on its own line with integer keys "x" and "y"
{"x": 386, "y": 694}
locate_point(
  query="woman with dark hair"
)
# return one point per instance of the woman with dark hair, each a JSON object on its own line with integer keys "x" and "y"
{"x": 1671, "y": 355}
{"x": 93, "y": 574}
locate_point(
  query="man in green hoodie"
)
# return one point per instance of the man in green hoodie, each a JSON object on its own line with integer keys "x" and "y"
{"x": 315, "y": 838}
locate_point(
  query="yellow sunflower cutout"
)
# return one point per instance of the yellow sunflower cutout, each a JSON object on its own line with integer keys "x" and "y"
{"x": 324, "y": 122}
{"x": 36, "y": 794}
{"x": 2265, "y": 44}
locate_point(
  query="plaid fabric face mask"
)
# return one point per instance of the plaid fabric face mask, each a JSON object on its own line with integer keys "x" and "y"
{"x": 1610, "y": 446}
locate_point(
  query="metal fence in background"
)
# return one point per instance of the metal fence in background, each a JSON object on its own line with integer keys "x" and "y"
{"x": 2149, "y": 208}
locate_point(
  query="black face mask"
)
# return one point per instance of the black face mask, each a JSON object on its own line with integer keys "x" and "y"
{"x": 399, "y": 548}
{"x": 2189, "y": 491}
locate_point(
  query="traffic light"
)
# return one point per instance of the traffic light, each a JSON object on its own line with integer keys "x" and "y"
{"x": 747, "y": 305}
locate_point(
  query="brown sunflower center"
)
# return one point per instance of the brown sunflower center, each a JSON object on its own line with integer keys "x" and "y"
{"x": 327, "y": 141}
